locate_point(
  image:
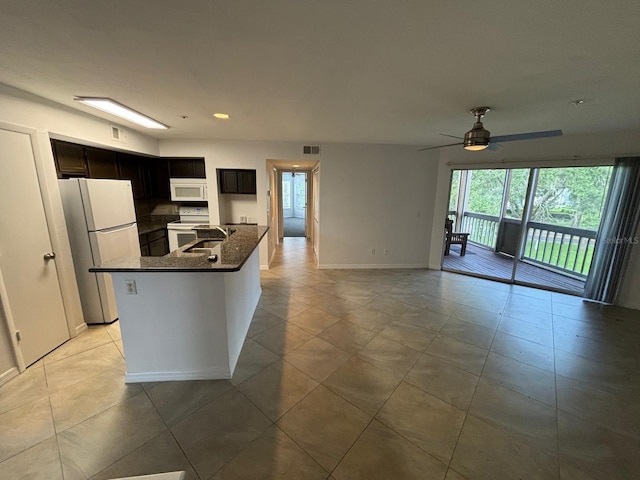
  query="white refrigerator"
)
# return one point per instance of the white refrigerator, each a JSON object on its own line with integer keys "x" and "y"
{"x": 101, "y": 222}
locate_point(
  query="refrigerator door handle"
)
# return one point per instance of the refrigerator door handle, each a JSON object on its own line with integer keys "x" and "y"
{"x": 115, "y": 229}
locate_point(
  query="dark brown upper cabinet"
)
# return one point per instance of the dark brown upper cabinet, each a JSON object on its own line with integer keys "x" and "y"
{"x": 131, "y": 167}
{"x": 158, "y": 170}
{"x": 228, "y": 180}
{"x": 70, "y": 159}
{"x": 149, "y": 176}
{"x": 237, "y": 181}
{"x": 186, "y": 167}
{"x": 247, "y": 181}
{"x": 102, "y": 163}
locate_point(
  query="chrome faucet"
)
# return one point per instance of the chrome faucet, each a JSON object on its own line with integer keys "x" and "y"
{"x": 225, "y": 231}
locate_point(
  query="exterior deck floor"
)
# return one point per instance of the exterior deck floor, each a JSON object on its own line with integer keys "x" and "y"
{"x": 481, "y": 261}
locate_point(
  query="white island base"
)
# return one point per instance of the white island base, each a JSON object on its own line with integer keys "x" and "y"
{"x": 185, "y": 325}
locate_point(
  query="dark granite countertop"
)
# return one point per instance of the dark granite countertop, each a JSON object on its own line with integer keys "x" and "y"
{"x": 152, "y": 223}
{"x": 231, "y": 252}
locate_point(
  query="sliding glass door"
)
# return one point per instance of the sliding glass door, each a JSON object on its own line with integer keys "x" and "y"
{"x": 530, "y": 226}
{"x": 488, "y": 206}
{"x": 560, "y": 234}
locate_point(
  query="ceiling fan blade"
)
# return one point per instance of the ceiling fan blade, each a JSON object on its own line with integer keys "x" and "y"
{"x": 452, "y": 136}
{"x": 494, "y": 146}
{"x": 439, "y": 146}
{"x": 525, "y": 136}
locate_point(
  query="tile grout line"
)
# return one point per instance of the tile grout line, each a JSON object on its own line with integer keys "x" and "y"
{"x": 475, "y": 389}
{"x": 555, "y": 385}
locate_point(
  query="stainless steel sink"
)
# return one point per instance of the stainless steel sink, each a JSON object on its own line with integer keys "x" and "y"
{"x": 204, "y": 246}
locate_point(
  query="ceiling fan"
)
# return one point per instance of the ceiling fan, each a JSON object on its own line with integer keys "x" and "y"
{"x": 478, "y": 138}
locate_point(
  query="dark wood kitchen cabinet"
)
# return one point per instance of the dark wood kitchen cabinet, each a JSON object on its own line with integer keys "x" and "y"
{"x": 132, "y": 168}
{"x": 149, "y": 176}
{"x": 158, "y": 174}
{"x": 186, "y": 167}
{"x": 70, "y": 159}
{"x": 228, "y": 181}
{"x": 247, "y": 181}
{"x": 154, "y": 244}
{"x": 237, "y": 181}
{"x": 101, "y": 163}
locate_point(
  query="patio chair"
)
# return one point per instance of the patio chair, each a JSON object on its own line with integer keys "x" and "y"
{"x": 454, "y": 238}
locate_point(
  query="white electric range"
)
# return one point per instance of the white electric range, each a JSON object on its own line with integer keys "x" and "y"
{"x": 181, "y": 231}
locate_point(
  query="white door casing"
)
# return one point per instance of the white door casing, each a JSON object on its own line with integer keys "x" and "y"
{"x": 31, "y": 284}
{"x": 316, "y": 213}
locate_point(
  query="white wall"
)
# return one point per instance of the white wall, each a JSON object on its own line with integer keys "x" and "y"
{"x": 568, "y": 150}
{"x": 371, "y": 196}
{"x": 234, "y": 206}
{"x": 376, "y": 197}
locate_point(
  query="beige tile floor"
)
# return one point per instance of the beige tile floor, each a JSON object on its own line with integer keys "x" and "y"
{"x": 352, "y": 374}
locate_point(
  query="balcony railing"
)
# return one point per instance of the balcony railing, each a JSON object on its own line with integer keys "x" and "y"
{"x": 565, "y": 250}
{"x": 483, "y": 229}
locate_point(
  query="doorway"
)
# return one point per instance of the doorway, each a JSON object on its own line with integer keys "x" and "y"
{"x": 294, "y": 204}
{"x": 535, "y": 227}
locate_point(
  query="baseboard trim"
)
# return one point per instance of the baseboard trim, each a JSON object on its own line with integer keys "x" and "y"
{"x": 373, "y": 266}
{"x": 209, "y": 374}
{"x": 435, "y": 267}
{"x": 80, "y": 328}
{"x": 8, "y": 375}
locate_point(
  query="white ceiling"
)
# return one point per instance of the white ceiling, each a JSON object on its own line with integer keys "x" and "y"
{"x": 364, "y": 71}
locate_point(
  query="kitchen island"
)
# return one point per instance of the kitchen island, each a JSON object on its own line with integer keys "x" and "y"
{"x": 185, "y": 316}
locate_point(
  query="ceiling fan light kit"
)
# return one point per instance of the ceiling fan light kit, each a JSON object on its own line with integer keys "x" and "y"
{"x": 477, "y": 138}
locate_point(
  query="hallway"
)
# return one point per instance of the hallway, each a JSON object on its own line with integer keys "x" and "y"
{"x": 347, "y": 375}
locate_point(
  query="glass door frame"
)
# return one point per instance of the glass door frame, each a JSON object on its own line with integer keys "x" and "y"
{"x": 532, "y": 185}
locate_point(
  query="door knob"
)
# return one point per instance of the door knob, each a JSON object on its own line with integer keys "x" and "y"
{"x": 49, "y": 256}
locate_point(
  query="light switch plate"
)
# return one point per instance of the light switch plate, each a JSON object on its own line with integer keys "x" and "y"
{"x": 131, "y": 287}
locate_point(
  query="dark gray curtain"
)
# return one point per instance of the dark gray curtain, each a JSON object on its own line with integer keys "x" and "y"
{"x": 618, "y": 228}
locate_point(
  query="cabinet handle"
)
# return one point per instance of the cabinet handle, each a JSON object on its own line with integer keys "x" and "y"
{"x": 49, "y": 256}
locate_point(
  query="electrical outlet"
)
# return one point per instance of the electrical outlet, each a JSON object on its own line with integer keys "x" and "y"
{"x": 131, "y": 287}
{"x": 373, "y": 251}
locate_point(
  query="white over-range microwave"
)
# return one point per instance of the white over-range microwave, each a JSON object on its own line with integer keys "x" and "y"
{"x": 188, "y": 189}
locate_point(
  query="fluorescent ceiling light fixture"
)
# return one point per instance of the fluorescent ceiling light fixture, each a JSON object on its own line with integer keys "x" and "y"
{"x": 223, "y": 116}
{"x": 114, "y": 108}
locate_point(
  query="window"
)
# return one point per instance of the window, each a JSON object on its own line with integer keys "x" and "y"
{"x": 286, "y": 194}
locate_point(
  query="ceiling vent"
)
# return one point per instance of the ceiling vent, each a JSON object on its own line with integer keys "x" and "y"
{"x": 311, "y": 150}
{"x": 117, "y": 134}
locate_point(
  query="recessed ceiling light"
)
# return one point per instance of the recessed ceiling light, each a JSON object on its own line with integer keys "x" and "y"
{"x": 114, "y": 108}
{"x": 223, "y": 116}
{"x": 294, "y": 166}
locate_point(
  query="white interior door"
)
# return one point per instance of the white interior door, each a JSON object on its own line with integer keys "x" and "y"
{"x": 31, "y": 281}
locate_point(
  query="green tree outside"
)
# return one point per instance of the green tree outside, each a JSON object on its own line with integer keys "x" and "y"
{"x": 572, "y": 196}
